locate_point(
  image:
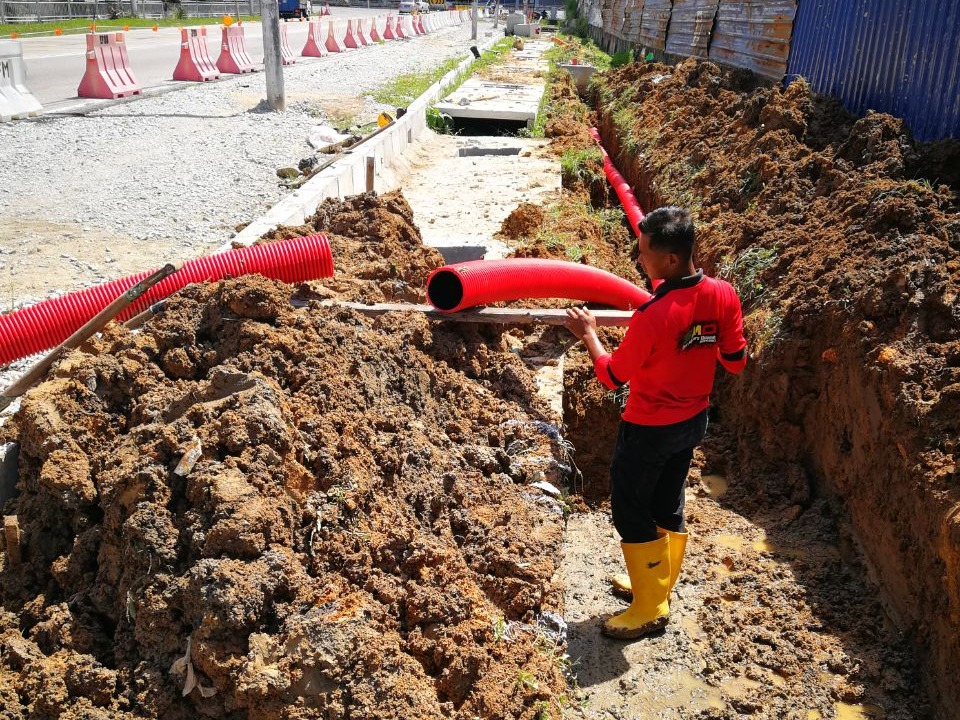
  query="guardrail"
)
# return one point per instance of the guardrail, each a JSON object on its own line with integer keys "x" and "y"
{"x": 21, "y": 11}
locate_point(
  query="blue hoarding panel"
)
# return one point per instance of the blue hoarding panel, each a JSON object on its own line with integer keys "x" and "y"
{"x": 896, "y": 56}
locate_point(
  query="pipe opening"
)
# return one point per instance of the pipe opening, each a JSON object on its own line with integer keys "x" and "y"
{"x": 445, "y": 290}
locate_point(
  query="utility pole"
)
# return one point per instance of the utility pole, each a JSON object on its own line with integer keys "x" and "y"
{"x": 473, "y": 24}
{"x": 272, "y": 62}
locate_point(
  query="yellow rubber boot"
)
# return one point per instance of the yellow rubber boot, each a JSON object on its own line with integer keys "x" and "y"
{"x": 678, "y": 546}
{"x": 648, "y": 565}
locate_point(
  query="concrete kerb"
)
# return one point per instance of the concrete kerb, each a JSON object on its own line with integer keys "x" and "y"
{"x": 348, "y": 176}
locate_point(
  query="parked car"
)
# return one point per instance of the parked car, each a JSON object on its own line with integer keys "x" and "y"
{"x": 409, "y": 6}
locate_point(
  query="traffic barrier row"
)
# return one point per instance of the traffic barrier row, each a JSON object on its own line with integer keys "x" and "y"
{"x": 108, "y": 74}
{"x": 16, "y": 101}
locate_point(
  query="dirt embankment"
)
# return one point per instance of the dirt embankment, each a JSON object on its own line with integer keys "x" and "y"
{"x": 254, "y": 508}
{"x": 843, "y": 238}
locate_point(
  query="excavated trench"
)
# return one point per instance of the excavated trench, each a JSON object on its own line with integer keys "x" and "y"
{"x": 842, "y": 236}
{"x": 263, "y": 506}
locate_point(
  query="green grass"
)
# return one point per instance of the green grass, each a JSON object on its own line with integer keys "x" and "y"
{"x": 540, "y": 123}
{"x": 746, "y": 269}
{"x": 584, "y": 49}
{"x": 404, "y": 89}
{"x": 582, "y": 164}
{"x": 493, "y": 55}
{"x": 624, "y": 57}
{"x": 78, "y": 25}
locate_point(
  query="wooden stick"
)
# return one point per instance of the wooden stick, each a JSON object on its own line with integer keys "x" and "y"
{"x": 138, "y": 321}
{"x": 11, "y": 535}
{"x": 91, "y": 327}
{"x": 502, "y": 316}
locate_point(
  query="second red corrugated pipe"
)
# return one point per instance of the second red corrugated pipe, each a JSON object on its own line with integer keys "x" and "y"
{"x": 46, "y": 324}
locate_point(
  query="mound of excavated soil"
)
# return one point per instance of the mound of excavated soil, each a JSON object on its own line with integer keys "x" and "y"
{"x": 253, "y": 508}
{"x": 377, "y": 250}
{"x": 846, "y": 250}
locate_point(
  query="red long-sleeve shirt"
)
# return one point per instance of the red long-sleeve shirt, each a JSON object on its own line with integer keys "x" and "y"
{"x": 670, "y": 351}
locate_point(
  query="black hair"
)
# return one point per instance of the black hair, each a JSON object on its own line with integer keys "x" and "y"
{"x": 670, "y": 229}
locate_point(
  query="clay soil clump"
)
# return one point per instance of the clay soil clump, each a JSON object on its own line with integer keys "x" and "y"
{"x": 261, "y": 507}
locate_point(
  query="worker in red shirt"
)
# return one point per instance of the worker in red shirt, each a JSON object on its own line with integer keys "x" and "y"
{"x": 668, "y": 356}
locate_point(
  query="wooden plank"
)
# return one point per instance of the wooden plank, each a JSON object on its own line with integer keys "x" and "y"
{"x": 501, "y": 316}
{"x": 11, "y": 534}
{"x": 94, "y": 325}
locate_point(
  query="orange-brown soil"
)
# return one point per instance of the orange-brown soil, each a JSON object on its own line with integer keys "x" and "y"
{"x": 258, "y": 508}
{"x": 295, "y": 511}
{"x": 844, "y": 242}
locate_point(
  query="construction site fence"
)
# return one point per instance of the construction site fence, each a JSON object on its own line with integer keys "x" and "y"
{"x": 901, "y": 57}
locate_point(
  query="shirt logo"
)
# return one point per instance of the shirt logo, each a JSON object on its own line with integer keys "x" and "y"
{"x": 702, "y": 332}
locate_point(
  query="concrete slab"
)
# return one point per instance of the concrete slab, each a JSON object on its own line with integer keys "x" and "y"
{"x": 460, "y": 209}
{"x": 581, "y": 74}
{"x": 480, "y": 100}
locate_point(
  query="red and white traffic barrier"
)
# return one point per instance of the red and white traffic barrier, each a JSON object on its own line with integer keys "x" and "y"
{"x": 374, "y": 35}
{"x": 388, "y": 31}
{"x": 350, "y": 40}
{"x": 195, "y": 64}
{"x": 286, "y": 53}
{"x": 108, "y": 74}
{"x": 361, "y": 33}
{"x": 333, "y": 44}
{"x": 233, "y": 52}
{"x": 314, "y": 46}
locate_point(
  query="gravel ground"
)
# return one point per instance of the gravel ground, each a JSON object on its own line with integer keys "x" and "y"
{"x": 86, "y": 199}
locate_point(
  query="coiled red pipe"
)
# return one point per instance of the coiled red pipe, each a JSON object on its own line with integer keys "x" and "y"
{"x": 48, "y": 323}
{"x": 479, "y": 282}
{"x": 631, "y": 207}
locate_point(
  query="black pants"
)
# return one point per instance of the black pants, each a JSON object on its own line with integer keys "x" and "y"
{"x": 648, "y": 475}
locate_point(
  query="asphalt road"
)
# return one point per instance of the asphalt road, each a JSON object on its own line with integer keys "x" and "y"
{"x": 55, "y": 65}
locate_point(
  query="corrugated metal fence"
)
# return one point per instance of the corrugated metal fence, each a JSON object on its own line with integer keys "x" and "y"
{"x": 896, "y": 56}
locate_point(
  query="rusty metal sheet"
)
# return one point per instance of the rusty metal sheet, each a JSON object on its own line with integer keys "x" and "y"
{"x": 690, "y": 27}
{"x": 754, "y": 34}
{"x": 631, "y": 21}
{"x": 653, "y": 24}
{"x": 606, "y": 12}
{"x": 616, "y": 21}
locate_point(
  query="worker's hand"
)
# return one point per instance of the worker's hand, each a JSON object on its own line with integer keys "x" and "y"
{"x": 580, "y": 322}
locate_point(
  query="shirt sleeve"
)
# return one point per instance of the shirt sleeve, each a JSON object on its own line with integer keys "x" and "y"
{"x": 732, "y": 348}
{"x": 615, "y": 369}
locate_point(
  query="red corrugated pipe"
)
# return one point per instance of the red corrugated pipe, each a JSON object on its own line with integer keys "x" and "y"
{"x": 479, "y": 282}
{"x": 620, "y": 186}
{"x": 48, "y": 323}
